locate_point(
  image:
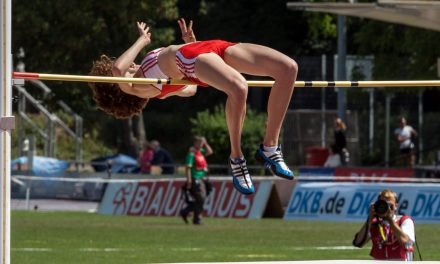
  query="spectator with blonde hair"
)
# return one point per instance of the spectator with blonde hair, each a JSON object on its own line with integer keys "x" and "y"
{"x": 392, "y": 235}
{"x": 341, "y": 140}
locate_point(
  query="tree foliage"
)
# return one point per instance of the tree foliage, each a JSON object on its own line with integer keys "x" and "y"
{"x": 212, "y": 125}
{"x": 400, "y": 52}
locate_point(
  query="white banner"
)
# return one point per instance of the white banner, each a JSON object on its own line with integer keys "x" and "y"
{"x": 351, "y": 201}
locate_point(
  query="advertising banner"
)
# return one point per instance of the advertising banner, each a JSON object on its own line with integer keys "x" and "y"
{"x": 371, "y": 174}
{"x": 164, "y": 198}
{"x": 351, "y": 201}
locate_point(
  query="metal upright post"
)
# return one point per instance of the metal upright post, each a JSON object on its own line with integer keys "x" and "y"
{"x": 387, "y": 130}
{"x": 420, "y": 130}
{"x": 371, "y": 121}
{"x": 323, "y": 106}
{"x": 342, "y": 73}
{"x": 31, "y": 153}
{"x": 20, "y": 123}
{"x": 79, "y": 141}
{"x": 51, "y": 138}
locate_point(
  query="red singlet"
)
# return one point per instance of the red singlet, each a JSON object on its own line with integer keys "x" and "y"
{"x": 186, "y": 56}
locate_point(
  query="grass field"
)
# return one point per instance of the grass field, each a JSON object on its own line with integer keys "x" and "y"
{"x": 59, "y": 237}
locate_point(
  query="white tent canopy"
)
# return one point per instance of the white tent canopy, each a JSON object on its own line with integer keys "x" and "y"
{"x": 423, "y": 14}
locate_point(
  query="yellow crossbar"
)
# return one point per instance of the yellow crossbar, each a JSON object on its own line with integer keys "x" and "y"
{"x": 86, "y": 78}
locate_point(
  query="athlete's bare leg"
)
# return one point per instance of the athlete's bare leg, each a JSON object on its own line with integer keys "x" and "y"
{"x": 263, "y": 61}
{"x": 211, "y": 69}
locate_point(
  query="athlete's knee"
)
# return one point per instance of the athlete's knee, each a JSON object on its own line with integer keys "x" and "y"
{"x": 290, "y": 69}
{"x": 239, "y": 88}
{"x": 286, "y": 69}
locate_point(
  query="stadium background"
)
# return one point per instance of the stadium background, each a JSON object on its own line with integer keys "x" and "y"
{"x": 42, "y": 230}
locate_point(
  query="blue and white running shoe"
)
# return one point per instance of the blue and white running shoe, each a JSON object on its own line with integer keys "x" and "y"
{"x": 274, "y": 161}
{"x": 240, "y": 176}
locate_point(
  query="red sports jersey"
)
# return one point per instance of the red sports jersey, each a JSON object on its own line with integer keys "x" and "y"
{"x": 390, "y": 248}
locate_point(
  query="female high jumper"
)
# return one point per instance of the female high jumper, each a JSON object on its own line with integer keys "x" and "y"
{"x": 215, "y": 63}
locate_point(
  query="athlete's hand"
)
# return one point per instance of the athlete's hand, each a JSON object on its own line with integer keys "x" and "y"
{"x": 187, "y": 31}
{"x": 133, "y": 68}
{"x": 144, "y": 32}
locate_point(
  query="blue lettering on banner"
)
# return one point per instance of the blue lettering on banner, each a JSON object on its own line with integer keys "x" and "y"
{"x": 360, "y": 203}
{"x": 333, "y": 205}
{"x": 315, "y": 203}
{"x": 342, "y": 202}
{"x": 437, "y": 212}
{"x": 305, "y": 202}
{"x": 294, "y": 202}
{"x": 426, "y": 205}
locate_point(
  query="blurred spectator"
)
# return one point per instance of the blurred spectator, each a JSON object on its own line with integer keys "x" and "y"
{"x": 334, "y": 159}
{"x": 145, "y": 158}
{"x": 162, "y": 158}
{"x": 404, "y": 135}
{"x": 341, "y": 141}
{"x": 196, "y": 168}
{"x": 392, "y": 235}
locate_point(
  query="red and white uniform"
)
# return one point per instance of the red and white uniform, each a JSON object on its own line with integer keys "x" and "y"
{"x": 150, "y": 69}
{"x": 386, "y": 246}
{"x": 186, "y": 56}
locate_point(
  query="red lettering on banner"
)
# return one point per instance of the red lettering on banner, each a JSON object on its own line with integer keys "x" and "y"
{"x": 158, "y": 194}
{"x": 165, "y": 199}
{"x": 120, "y": 199}
{"x": 244, "y": 204}
{"x": 375, "y": 175}
{"x": 229, "y": 204}
{"x": 212, "y": 200}
{"x": 138, "y": 201}
{"x": 209, "y": 202}
{"x": 173, "y": 200}
{"x": 243, "y": 207}
{"x": 225, "y": 201}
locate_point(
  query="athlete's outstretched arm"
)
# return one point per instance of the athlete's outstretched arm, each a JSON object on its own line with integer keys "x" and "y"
{"x": 188, "y": 35}
{"x": 123, "y": 63}
{"x": 125, "y": 67}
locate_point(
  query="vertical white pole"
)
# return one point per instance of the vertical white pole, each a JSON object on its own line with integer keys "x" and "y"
{"x": 5, "y": 131}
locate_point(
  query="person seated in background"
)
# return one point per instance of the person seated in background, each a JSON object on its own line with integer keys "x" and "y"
{"x": 162, "y": 158}
{"x": 392, "y": 235}
{"x": 334, "y": 159}
{"x": 145, "y": 158}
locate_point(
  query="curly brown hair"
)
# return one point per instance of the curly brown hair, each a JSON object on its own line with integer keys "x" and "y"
{"x": 109, "y": 97}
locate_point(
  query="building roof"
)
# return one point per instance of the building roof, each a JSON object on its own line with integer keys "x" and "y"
{"x": 424, "y": 14}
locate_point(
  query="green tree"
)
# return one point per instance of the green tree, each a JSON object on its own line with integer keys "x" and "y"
{"x": 400, "y": 52}
{"x": 212, "y": 125}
